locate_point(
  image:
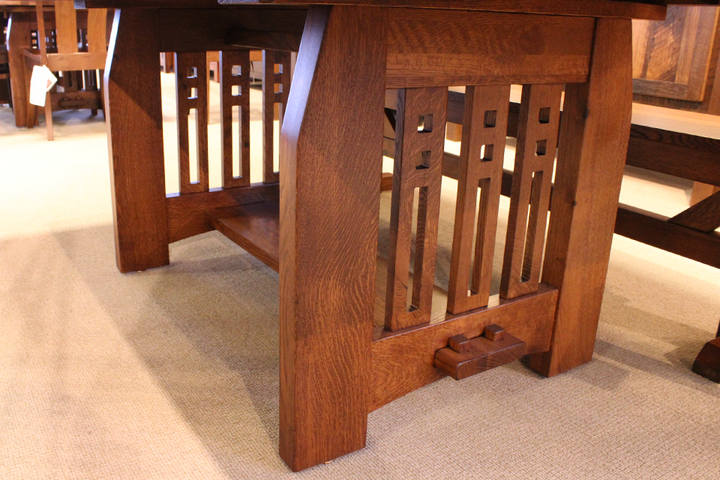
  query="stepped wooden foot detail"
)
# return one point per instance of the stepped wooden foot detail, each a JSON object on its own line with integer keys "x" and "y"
{"x": 707, "y": 363}
{"x": 464, "y": 358}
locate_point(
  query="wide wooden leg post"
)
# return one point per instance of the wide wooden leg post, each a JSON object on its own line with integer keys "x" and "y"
{"x": 593, "y": 144}
{"x": 329, "y": 193}
{"x": 18, "y": 39}
{"x": 134, "y": 116}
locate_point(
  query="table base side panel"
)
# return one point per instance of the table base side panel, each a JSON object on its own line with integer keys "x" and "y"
{"x": 403, "y": 361}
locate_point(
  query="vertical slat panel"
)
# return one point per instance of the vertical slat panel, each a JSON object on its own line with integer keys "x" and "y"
{"x": 481, "y": 166}
{"x": 418, "y": 164}
{"x": 97, "y": 30}
{"x": 240, "y": 61}
{"x": 532, "y": 180}
{"x": 66, "y": 27}
{"x": 192, "y": 95}
{"x": 276, "y": 87}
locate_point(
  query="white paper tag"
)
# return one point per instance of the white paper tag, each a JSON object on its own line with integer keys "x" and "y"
{"x": 41, "y": 82}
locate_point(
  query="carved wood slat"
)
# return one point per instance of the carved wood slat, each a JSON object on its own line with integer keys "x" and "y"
{"x": 481, "y": 166}
{"x": 190, "y": 74}
{"x": 276, "y": 88}
{"x": 532, "y": 180}
{"x": 419, "y": 150}
{"x": 235, "y": 72}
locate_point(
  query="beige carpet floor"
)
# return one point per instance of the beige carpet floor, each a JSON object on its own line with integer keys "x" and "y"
{"x": 173, "y": 373}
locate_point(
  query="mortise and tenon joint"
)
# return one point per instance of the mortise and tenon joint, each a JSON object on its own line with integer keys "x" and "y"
{"x": 463, "y": 358}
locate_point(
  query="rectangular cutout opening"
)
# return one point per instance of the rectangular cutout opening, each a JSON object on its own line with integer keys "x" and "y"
{"x": 423, "y": 160}
{"x": 193, "y": 157}
{"x": 541, "y": 148}
{"x": 490, "y": 118}
{"x": 544, "y": 115}
{"x": 278, "y": 68}
{"x": 277, "y": 126}
{"x": 236, "y": 70}
{"x": 532, "y": 227}
{"x": 192, "y": 72}
{"x": 236, "y": 90}
{"x": 278, "y": 88}
{"x": 236, "y": 141}
{"x": 425, "y": 123}
{"x": 487, "y": 153}
{"x": 192, "y": 94}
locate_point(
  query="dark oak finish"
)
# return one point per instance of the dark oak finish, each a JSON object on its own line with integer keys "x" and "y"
{"x": 418, "y": 172}
{"x": 482, "y": 355}
{"x": 254, "y": 227}
{"x": 332, "y": 137}
{"x": 655, "y": 230}
{"x": 481, "y": 165}
{"x": 235, "y": 75}
{"x": 403, "y": 361}
{"x": 587, "y": 188}
{"x": 192, "y": 107}
{"x": 132, "y": 87}
{"x": 276, "y": 88}
{"x": 707, "y": 363}
{"x": 459, "y": 343}
{"x": 337, "y": 361}
{"x": 530, "y": 197}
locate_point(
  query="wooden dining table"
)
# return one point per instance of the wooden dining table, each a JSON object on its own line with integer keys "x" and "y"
{"x": 357, "y": 333}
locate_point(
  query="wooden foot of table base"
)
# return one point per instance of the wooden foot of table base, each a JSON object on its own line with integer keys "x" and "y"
{"x": 707, "y": 363}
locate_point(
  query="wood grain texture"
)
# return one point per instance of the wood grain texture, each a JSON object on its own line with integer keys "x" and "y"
{"x": 331, "y": 144}
{"x": 275, "y": 89}
{"x": 254, "y": 227}
{"x": 418, "y": 167}
{"x": 216, "y": 29}
{"x": 18, "y": 38}
{"x": 403, "y": 361}
{"x": 671, "y": 58}
{"x": 589, "y": 8}
{"x": 481, "y": 166}
{"x": 707, "y": 363}
{"x": 532, "y": 180}
{"x": 653, "y": 229}
{"x": 186, "y": 213}
{"x": 132, "y": 91}
{"x": 426, "y": 49}
{"x": 483, "y": 355}
{"x": 192, "y": 108}
{"x": 591, "y": 159}
{"x": 703, "y": 216}
{"x": 235, "y": 74}
{"x": 678, "y": 154}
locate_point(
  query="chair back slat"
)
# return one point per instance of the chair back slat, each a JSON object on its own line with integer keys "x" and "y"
{"x": 97, "y": 30}
{"x": 66, "y": 26}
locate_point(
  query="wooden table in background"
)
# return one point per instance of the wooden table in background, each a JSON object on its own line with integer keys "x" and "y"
{"x": 335, "y": 365}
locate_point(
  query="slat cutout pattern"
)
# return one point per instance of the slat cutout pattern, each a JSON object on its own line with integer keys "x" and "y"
{"x": 192, "y": 101}
{"x": 235, "y": 91}
{"x": 419, "y": 151}
{"x": 481, "y": 167}
{"x": 532, "y": 180}
{"x": 276, "y": 88}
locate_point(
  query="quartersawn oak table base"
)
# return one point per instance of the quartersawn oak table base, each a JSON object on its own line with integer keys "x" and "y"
{"x": 356, "y": 331}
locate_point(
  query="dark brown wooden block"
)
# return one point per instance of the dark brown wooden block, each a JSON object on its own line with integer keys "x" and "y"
{"x": 494, "y": 333}
{"x": 707, "y": 363}
{"x": 459, "y": 343}
{"x": 482, "y": 355}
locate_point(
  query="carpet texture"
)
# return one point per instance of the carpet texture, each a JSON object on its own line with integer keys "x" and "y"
{"x": 173, "y": 373}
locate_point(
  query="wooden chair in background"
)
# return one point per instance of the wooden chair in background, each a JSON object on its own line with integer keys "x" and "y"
{"x": 78, "y": 56}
